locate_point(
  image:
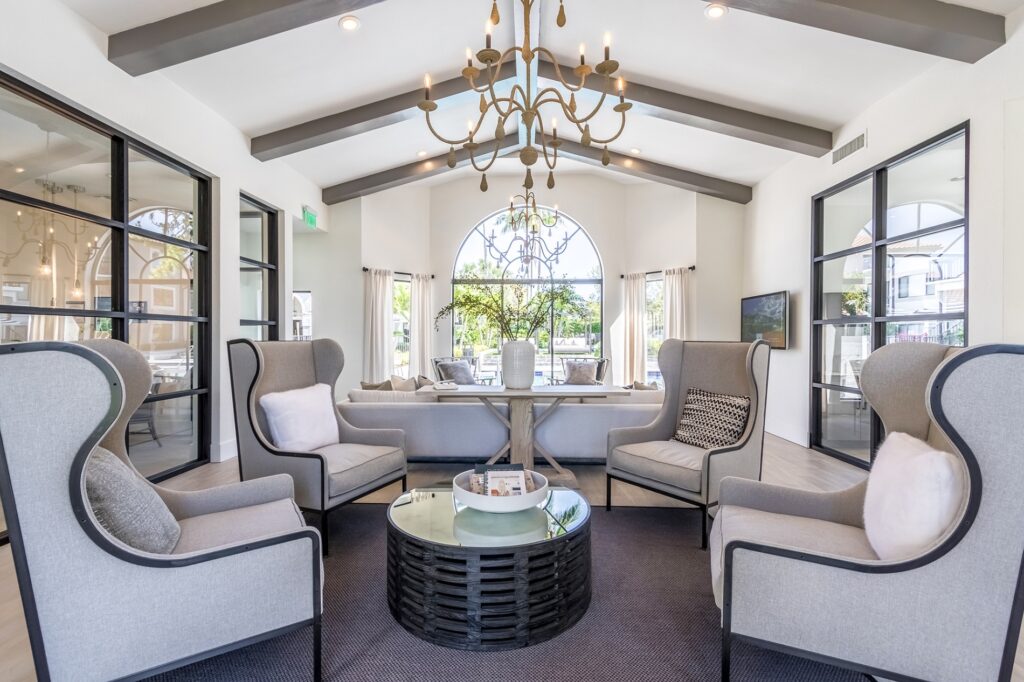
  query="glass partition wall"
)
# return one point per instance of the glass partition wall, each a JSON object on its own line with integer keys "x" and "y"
{"x": 889, "y": 266}
{"x": 102, "y": 237}
{"x": 258, "y": 270}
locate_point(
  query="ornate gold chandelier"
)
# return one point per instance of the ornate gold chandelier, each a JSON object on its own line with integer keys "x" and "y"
{"x": 523, "y": 100}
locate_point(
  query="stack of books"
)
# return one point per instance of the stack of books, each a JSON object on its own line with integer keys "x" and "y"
{"x": 501, "y": 480}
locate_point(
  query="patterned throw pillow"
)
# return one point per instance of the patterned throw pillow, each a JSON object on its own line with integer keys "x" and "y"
{"x": 712, "y": 420}
{"x": 580, "y": 373}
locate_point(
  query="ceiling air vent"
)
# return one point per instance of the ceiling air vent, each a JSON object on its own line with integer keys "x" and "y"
{"x": 854, "y": 145}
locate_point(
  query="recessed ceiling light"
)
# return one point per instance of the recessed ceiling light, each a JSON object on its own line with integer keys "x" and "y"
{"x": 716, "y": 10}
{"x": 19, "y": 170}
{"x": 421, "y": 153}
{"x": 634, "y": 151}
{"x": 350, "y": 23}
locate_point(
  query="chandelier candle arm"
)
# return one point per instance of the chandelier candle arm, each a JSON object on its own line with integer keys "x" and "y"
{"x": 523, "y": 100}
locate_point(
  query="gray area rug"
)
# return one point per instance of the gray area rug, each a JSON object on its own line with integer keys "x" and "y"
{"x": 652, "y": 617}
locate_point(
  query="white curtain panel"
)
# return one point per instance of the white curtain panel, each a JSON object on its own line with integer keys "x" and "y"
{"x": 676, "y": 291}
{"x": 378, "y": 339}
{"x": 419, "y": 352}
{"x": 636, "y": 327}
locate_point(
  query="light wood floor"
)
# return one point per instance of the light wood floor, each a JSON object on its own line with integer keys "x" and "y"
{"x": 785, "y": 463}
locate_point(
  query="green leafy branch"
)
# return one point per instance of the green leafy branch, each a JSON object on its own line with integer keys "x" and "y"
{"x": 515, "y": 309}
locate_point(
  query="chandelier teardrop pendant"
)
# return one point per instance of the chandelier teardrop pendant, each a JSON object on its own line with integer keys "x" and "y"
{"x": 531, "y": 100}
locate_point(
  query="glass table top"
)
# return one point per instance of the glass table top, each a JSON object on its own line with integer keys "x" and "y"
{"x": 433, "y": 515}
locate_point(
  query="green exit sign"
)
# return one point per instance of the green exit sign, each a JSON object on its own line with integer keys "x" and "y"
{"x": 309, "y": 217}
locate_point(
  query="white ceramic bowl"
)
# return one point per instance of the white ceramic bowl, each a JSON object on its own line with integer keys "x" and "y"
{"x": 499, "y": 505}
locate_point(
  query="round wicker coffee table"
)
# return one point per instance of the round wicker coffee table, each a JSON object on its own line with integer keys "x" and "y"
{"x": 470, "y": 580}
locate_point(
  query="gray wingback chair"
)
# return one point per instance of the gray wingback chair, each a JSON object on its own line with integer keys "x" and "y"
{"x": 246, "y": 567}
{"x": 363, "y": 461}
{"x": 793, "y": 569}
{"x": 647, "y": 456}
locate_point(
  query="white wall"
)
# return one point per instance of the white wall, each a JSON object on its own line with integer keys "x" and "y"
{"x": 329, "y": 264}
{"x": 717, "y": 285}
{"x": 396, "y": 230}
{"x": 779, "y": 218}
{"x": 47, "y": 44}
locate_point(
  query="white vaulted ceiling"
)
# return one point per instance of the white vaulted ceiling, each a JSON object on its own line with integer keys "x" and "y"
{"x": 794, "y": 72}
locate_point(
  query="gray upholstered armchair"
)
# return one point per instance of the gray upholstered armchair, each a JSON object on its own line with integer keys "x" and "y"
{"x": 363, "y": 461}
{"x": 647, "y": 457}
{"x": 793, "y": 570}
{"x": 245, "y": 567}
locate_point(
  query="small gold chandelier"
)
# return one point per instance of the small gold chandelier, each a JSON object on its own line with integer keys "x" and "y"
{"x": 528, "y": 104}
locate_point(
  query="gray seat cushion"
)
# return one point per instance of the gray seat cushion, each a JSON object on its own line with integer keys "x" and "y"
{"x": 352, "y": 466}
{"x": 205, "y": 532}
{"x": 799, "y": 532}
{"x": 665, "y": 461}
{"x": 127, "y": 506}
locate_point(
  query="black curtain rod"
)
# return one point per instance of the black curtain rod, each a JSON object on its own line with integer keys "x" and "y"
{"x": 692, "y": 268}
{"x": 407, "y": 274}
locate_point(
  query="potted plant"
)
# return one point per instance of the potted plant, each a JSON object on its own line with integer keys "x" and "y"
{"x": 518, "y": 311}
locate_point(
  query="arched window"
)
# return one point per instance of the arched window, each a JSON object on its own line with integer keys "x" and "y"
{"x": 550, "y": 250}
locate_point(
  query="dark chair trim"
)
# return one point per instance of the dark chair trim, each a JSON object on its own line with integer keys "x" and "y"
{"x": 249, "y": 402}
{"x": 324, "y": 509}
{"x": 79, "y": 507}
{"x": 967, "y": 520}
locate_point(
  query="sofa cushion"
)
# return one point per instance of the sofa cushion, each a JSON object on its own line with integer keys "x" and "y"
{"x": 915, "y": 494}
{"x": 126, "y": 505}
{"x": 422, "y": 381}
{"x": 303, "y": 419}
{"x": 208, "y": 531}
{"x": 458, "y": 371}
{"x": 351, "y": 466}
{"x": 798, "y": 532}
{"x": 665, "y": 461}
{"x": 580, "y": 372}
{"x": 712, "y": 420}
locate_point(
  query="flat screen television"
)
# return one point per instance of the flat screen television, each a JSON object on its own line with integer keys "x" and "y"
{"x": 766, "y": 317}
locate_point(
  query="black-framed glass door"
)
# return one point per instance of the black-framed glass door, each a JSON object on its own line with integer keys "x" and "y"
{"x": 889, "y": 265}
{"x": 258, "y": 267}
{"x": 102, "y": 236}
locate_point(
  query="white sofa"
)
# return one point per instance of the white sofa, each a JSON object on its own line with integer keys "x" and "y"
{"x": 448, "y": 430}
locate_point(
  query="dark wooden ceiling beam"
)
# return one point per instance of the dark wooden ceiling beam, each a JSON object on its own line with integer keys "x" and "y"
{"x": 402, "y": 175}
{"x": 718, "y": 118}
{"x": 220, "y": 26}
{"x": 334, "y": 127}
{"x": 656, "y": 172}
{"x": 930, "y": 26}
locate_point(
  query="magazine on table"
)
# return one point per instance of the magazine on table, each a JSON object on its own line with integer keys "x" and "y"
{"x": 501, "y": 480}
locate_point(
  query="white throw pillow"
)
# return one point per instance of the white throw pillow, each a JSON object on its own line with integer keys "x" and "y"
{"x": 301, "y": 420}
{"x": 914, "y": 495}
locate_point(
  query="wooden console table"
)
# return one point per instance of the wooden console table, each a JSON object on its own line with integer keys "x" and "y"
{"x": 520, "y": 422}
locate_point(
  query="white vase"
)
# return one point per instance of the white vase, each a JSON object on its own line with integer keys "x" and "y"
{"x": 518, "y": 359}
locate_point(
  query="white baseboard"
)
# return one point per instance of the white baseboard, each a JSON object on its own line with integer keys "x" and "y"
{"x": 223, "y": 451}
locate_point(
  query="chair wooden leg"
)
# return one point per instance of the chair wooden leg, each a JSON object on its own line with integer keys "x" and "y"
{"x": 608, "y": 492}
{"x": 318, "y": 671}
{"x": 405, "y": 484}
{"x": 703, "y": 527}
